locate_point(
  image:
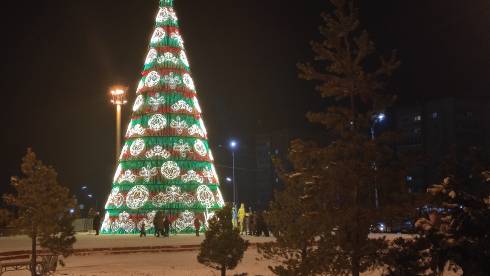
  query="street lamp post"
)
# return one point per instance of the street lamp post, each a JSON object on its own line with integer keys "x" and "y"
{"x": 233, "y": 145}
{"x": 378, "y": 118}
{"x": 118, "y": 98}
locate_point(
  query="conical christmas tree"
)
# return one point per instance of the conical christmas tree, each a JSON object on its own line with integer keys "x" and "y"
{"x": 165, "y": 163}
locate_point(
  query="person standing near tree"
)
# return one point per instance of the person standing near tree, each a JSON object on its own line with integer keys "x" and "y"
{"x": 96, "y": 223}
{"x": 156, "y": 225}
{"x": 253, "y": 223}
{"x": 143, "y": 230}
{"x": 197, "y": 226}
{"x": 161, "y": 226}
{"x": 166, "y": 227}
{"x": 246, "y": 221}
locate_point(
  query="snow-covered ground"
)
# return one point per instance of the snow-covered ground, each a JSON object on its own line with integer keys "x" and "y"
{"x": 85, "y": 240}
{"x": 149, "y": 264}
{"x": 156, "y": 264}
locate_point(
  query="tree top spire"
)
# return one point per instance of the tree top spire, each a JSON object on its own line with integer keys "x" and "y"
{"x": 166, "y": 3}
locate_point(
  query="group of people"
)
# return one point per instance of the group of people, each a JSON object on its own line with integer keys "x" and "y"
{"x": 161, "y": 224}
{"x": 252, "y": 223}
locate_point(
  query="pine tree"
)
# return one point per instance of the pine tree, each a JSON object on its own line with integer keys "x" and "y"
{"x": 42, "y": 208}
{"x": 455, "y": 230}
{"x": 223, "y": 247}
{"x": 166, "y": 163}
{"x": 337, "y": 183}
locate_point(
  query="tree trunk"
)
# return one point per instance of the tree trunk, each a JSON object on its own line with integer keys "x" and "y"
{"x": 223, "y": 271}
{"x": 355, "y": 265}
{"x": 33, "y": 253}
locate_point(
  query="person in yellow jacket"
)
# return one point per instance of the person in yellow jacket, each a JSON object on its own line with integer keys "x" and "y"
{"x": 241, "y": 217}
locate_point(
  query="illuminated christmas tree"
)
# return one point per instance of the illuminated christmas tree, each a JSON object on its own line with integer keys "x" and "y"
{"x": 165, "y": 162}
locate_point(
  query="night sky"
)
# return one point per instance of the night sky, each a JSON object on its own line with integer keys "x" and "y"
{"x": 60, "y": 57}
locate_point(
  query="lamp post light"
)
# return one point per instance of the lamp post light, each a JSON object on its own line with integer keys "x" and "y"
{"x": 118, "y": 98}
{"x": 233, "y": 146}
{"x": 377, "y": 118}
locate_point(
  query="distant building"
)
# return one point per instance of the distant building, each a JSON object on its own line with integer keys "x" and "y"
{"x": 432, "y": 128}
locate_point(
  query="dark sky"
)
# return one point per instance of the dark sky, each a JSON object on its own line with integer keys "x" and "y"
{"x": 59, "y": 57}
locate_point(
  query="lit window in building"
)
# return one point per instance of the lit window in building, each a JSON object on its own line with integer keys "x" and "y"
{"x": 435, "y": 115}
{"x": 409, "y": 178}
{"x": 417, "y": 118}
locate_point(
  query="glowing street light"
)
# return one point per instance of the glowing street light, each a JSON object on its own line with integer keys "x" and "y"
{"x": 118, "y": 98}
{"x": 228, "y": 179}
{"x": 377, "y": 118}
{"x": 233, "y": 146}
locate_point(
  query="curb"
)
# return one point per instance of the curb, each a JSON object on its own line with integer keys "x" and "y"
{"x": 10, "y": 255}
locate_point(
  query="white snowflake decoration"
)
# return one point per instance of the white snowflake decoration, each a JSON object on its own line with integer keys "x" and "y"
{"x": 159, "y": 199}
{"x": 183, "y": 58}
{"x": 128, "y": 176}
{"x": 135, "y": 130}
{"x": 170, "y": 170}
{"x": 124, "y": 222}
{"x": 137, "y": 197}
{"x": 137, "y": 147}
{"x": 187, "y": 199}
{"x": 219, "y": 199}
{"x": 168, "y": 57}
{"x": 185, "y": 220}
{"x": 178, "y": 38}
{"x": 196, "y": 105}
{"x": 192, "y": 176}
{"x": 182, "y": 147}
{"x": 172, "y": 80}
{"x": 158, "y": 35}
{"x": 148, "y": 220}
{"x": 173, "y": 194}
{"x": 178, "y": 124}
{"x": 158, "y": 151}
{"x": 156, "y": 101}
{"x": 152, "y": 79}
{"x": 115, "y": 198}
{"x": 181, "y": 105}
{"x": 195, "y": 129}
{"x": 157, "y": 122}
{"x": 140, "y": 100}
{"x": 152, "y": 55}
{"x": 200, "y": 148}
{"x": 208, "y": 174}
{"x": 205, "y": 196}
{"x": 189, "y": 82}
{"x": 148, "y": 172}
{"x": 165, "y": 14}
